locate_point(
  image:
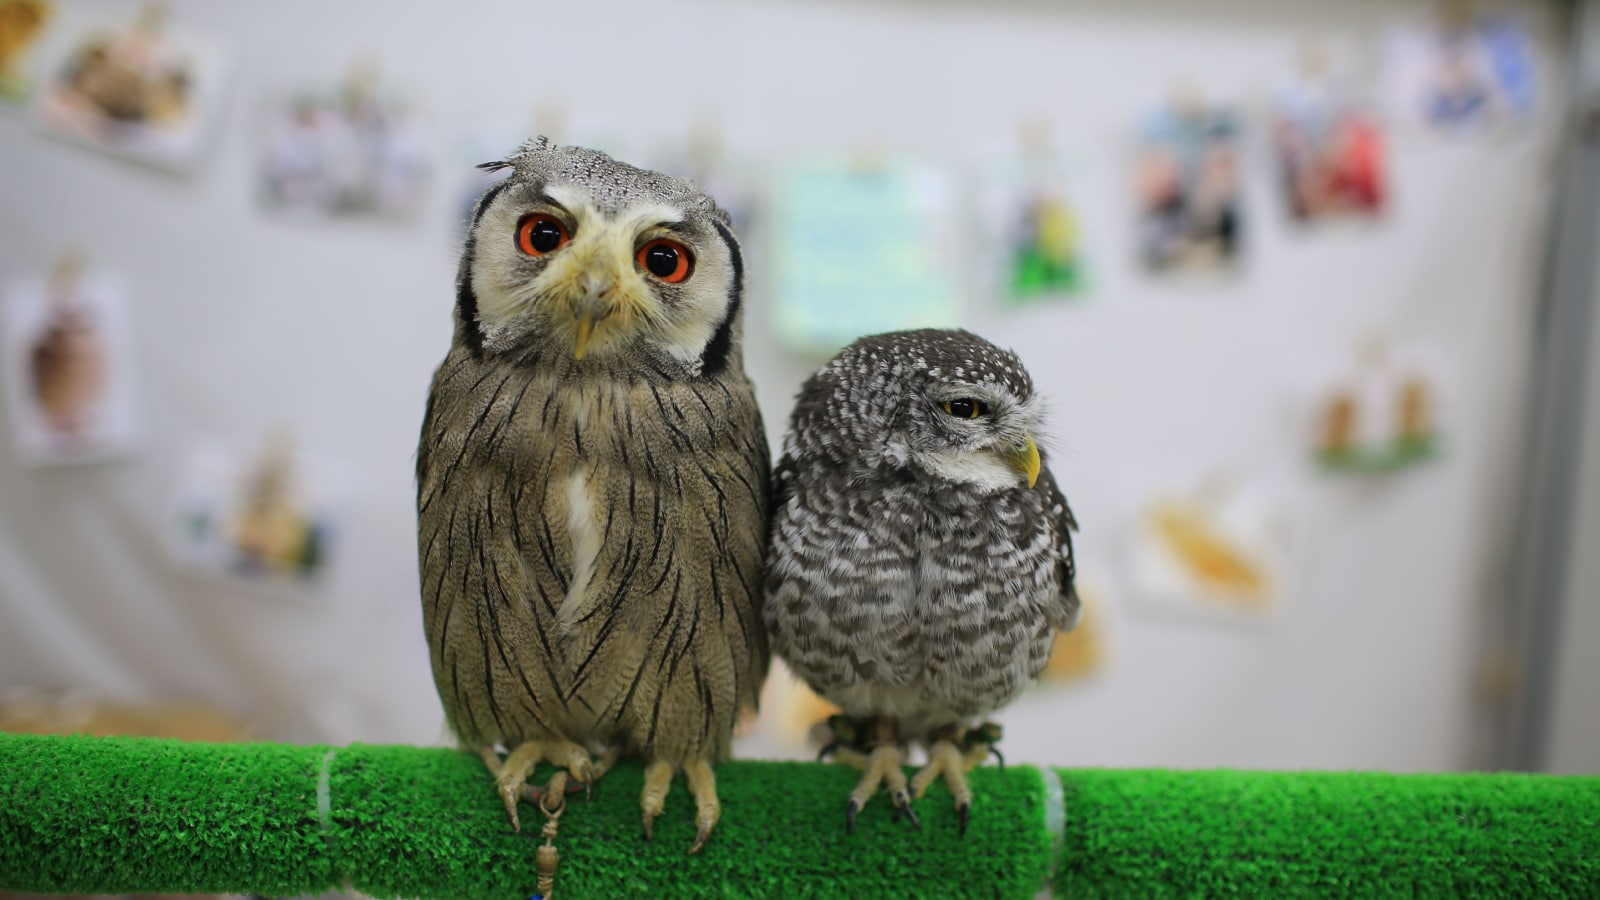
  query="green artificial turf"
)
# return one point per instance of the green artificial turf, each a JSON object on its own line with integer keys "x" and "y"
{"x": 115, "y": 815}
{"x": 1157, "y": 833}
{"x": 123, "y": 815}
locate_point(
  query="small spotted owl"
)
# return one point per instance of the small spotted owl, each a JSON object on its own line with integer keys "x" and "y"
{"x": 921, "y": 559}
{"x": 592, "y": 483}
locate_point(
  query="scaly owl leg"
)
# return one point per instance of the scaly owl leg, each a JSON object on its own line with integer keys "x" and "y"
{"x": 952, "y": 755}
{"x": 703, "y": 784}
{"x": 511, "y": 776}
{"x": 883, "y": 764}
{"x": 573, "y": 758}
{"x": 606, "y": 761}
{"x": 657, "y": 781}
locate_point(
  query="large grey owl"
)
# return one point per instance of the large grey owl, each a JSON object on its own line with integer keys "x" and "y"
{"x": 592, "y": 481}
{"x": 921, "y": 559}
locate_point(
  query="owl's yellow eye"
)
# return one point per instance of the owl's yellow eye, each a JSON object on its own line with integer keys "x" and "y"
{"x": 966, "y": 408}
{"x": 541, "y": 233}
{"x": 667, "y": 260}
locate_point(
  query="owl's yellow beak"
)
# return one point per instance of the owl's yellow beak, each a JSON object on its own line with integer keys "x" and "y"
{"x": 1025, "y": 460}
{"x": 588, "y": 312}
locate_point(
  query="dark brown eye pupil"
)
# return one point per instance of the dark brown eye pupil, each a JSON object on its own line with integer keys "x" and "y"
{"x": 661, "y": 260}
{"x": 545, "y": 236}
{"x": 966, "y": 408}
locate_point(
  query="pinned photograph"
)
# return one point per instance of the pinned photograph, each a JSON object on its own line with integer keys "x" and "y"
{"x": 861, "y": 247}
{"x": 1188, "y": 192}
{"x": 351, "y": 150}
{"x": 1214, "y": 551}
{"x": 69, "y": 367}
{"x": 1035, "y": 230}
{"x": 269, "y": 514}
{"x": 138, "y": 90}
{"x": 1330, "y": 154}
{"x": 22, "y": 23}
{"x": 1474, "y": 75}
{"x": 1382, "y": 413}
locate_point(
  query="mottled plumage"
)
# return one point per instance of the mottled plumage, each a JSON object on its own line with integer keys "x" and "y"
{"x": 592, "y": 480}
{"x": 915, "y": 575}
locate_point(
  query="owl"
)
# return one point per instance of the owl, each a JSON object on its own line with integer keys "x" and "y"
{"x": 921, "y": 558}
{"x": 592, "y": 483}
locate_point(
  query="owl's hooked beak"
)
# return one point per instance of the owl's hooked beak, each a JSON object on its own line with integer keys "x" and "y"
{"x": 1025, "y": 460}
{"x": 589, "y": 311}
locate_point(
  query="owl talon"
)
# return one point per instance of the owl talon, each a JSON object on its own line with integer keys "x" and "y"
{"x": 827, "y": 748}
{"x": 703, "y": 785}
{"x": 947, "y": 761}
{"x": 599, "y": 770}
{"x": 882, "y": 766}
{"x": 653, "y": 799}
{"x": 902, "y": 807}
{"x": 700, "y": 838}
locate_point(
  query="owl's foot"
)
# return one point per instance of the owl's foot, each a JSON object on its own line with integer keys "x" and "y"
{"x": 702, "y": 784}
{"x": 982, "y": 740}
{"x": 951, "y": 757}
{"x": 883, "y": 765}
{"x": 511, "y": 775}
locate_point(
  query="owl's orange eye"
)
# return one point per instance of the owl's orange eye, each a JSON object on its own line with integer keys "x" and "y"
{"x": 541, "y": 233}
{"x": 667, "y": 260}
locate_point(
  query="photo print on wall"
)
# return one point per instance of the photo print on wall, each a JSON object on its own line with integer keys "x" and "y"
{"x": 1188, "y": 192}
{"x": 70, "y": 375}
{"x": 1330, "y": 151}
{"x": 140, "y": 90}
{"x": 264, "y": 515}
{"x": 347, "y": 150}
{"x": 1026, "y": 201}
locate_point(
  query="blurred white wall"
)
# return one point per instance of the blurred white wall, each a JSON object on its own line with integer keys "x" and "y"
{"x": 246, "y": 322}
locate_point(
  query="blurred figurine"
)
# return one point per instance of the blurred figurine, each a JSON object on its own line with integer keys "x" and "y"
{"x": 1339, "y": 423}
{"x": 592, "y": 483}
{"x": 918, "y": 573}
{"x": 1415, "y": 421}
{"x": 69, "y": 362}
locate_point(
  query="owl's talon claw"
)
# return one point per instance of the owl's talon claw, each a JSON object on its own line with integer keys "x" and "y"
{"x": 998, "y": 756}
{"x": 964, "y": 811}
{"x": 511, "y": 812}
{"x": 700, "y": 838}
{"x": 850, "y": 817}
{"x": 827, "y": 748}
{"x": 902, "y": 807}
{"x": 653, "y": 799}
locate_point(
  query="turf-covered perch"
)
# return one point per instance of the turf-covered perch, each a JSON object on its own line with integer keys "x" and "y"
{"x": 113, "y": 815}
